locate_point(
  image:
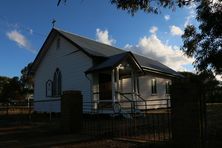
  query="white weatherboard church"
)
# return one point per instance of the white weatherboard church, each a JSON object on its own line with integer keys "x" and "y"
{"x": 110, "y": 79}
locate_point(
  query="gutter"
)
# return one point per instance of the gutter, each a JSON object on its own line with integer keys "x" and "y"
{"x": 146, "y": 69}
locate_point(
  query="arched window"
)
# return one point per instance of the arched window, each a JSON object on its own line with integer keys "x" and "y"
{"x": 49, "y": 88}
{"x": 57, "y": 83}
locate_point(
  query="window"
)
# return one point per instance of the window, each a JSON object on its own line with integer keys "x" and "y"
{"x": 57, "y": 82}
{"x": 167, "y": 87}
{"x": 58, "y": 43}
{"x": 153, "y": 86}
{"x": 49, "y": 88}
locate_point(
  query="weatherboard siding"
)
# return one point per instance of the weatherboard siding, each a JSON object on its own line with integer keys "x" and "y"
{"x": 72, "y": 66}
{"x": 145, "y": 90}
{"x": 160, "y": 96}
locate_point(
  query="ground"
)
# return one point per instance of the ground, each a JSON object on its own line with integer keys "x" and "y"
{"x": 214, "y": 125}
{"x": 16, "y": 132}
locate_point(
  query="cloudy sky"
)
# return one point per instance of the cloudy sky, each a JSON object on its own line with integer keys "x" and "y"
{"x": 25, "y": 24}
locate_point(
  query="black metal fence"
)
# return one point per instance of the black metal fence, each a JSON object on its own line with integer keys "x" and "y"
{"x": 147, "y": 125}
{"x": 16, "y": 107}
{"x": 139, "y": 123}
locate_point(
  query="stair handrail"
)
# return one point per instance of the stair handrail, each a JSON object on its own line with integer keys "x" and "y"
{"x": 141, "y": 98}
{"x": 132, "y": 102}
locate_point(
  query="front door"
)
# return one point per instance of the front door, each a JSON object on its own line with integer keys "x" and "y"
{"x": 105, "y": 91}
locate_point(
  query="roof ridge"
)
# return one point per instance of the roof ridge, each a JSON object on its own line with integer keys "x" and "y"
{"x": 121, "y": 49}
{"x": 155, "y": 63}
{"x": 85, "y": 37}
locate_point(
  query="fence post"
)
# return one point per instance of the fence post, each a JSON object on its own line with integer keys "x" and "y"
{"x": 71, "y": 111}
{"x": 186, "y": 114}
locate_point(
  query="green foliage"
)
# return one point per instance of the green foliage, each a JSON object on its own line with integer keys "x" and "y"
{"x": 59, "y": 1}
{"x": 12, "y": 90}
{"x": 26, "y": 79}
{"x": 15, "y": 88}
{"x": 149, "y": 6}
{"x": 3, "y": 82}
{"x": 205, "y": 43}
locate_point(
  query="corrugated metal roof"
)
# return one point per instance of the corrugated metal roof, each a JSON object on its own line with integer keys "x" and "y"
{"x": 113, "y": 61}
{"x": 95, "y": 48}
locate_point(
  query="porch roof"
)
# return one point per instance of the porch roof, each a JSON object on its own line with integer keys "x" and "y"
{"x": 114, "y": 61}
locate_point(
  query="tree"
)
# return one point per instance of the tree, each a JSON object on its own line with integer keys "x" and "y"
{"x": 12, "y": 90}
{"x": 205, "y": 43}
{"x": 15, "y": 88}
{"x": 3, "y": 81}
{"x": 59, "y": 1}
{"x": 26, "y": 79}
{"x": 148, "y": 6}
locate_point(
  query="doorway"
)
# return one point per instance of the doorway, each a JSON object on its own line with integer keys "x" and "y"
{"x": 105, "y": 90}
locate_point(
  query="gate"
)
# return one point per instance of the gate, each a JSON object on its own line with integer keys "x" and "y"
{"x": 147, "y": 125}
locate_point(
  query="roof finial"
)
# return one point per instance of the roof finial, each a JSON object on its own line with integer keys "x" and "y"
{"x": 53, "y": 22}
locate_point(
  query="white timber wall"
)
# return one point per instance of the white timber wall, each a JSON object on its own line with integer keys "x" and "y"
{"x": 72, "y": 66}
{"x": 160, "y": 96}
{"x": 158, "y": 99}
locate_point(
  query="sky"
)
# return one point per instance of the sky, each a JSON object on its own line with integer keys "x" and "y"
{"x": 25, "y": 24}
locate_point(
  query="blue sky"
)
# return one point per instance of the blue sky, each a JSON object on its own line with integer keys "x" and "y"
{"x": 25, "y": 24}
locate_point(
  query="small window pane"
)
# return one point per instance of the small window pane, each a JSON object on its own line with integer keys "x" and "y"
{"x": 57, "y": 83}
{"x": 167, "y": 87}
{"x": 49, "y": 88}
{"x": 153, "y": 86}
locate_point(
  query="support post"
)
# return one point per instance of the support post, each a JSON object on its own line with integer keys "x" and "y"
{"x": 132, "y": 90}
{"x": 117, "y": 84}
{"x": 132, "y": 86}
{"x": 136, "y": 85}
{"x": 94, "y": 88}
{"x": 136, "y": 90}
{"x": 187, "y": 126}
{"x": 113, "y": 86}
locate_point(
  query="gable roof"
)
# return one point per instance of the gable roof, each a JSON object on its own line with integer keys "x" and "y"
{"x": 114, "y": 60}
{"x": 96, "y": 49}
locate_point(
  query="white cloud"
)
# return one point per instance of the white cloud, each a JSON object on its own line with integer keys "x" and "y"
{"x": 153, "y": 29}
{"x": 154, "y": 48}
{"x": 166, "y": 17}
{"x": 20, "y": 39}
{"x": 31, "y": 31}
{"x": 174, "y": 30}
{"x": 191, "y": 15}
{"x": 219, "y": 77}
{"x": 103, "y": 37}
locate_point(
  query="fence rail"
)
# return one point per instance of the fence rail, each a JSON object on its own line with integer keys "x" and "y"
{"x": 150, "y": 125}
{"x": 13, "y": 110}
